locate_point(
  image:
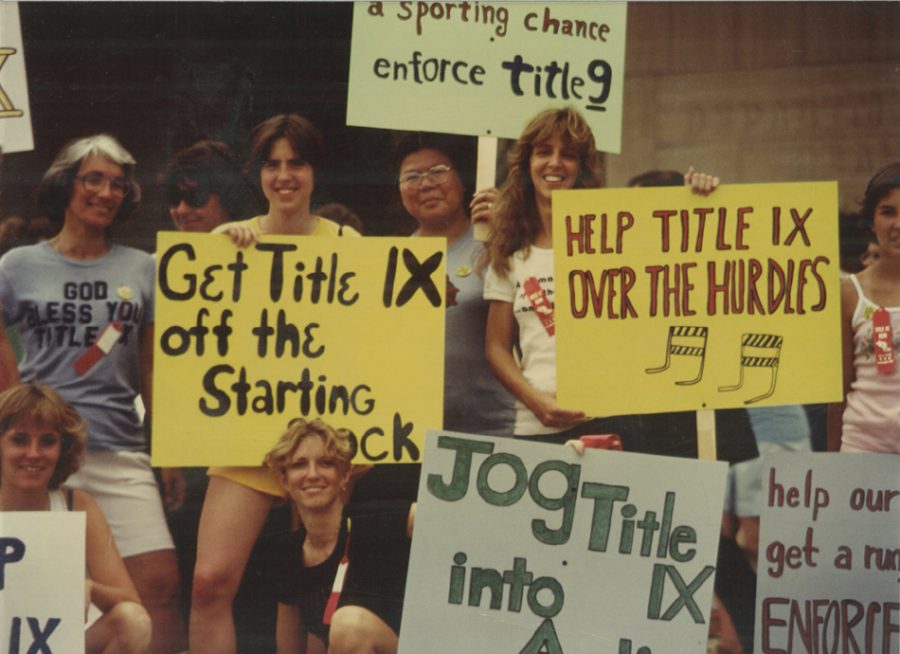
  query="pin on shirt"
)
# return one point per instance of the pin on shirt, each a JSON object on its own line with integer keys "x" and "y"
{"x": 883, "y": 338}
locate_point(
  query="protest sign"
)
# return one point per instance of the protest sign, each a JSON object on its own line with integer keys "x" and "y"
{"x": 15, "y": 116}
{"x": 828, "y": 555}
{"x": 349, "y": 330}
{"x": 485, "y": 69}
{"x": 525, "y": 547}
{"x": 42, "y": 581}
{"x": 670, "y": 301}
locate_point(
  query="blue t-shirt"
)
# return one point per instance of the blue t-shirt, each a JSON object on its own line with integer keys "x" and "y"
{"x": 62, "y": 307}
{"x": 474, "y": 400}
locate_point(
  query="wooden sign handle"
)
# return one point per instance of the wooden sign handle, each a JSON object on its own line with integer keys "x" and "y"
{"x": 485, "y": 177}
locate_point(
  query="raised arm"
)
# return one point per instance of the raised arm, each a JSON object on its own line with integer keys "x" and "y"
{"x": 836, "y": 409}
{"x": 499, "y": 339}
{"x": 700, "y": 183}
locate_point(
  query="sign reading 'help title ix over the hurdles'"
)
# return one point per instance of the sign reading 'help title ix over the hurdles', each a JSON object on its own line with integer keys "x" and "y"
{"x": 347, "y": 329}
{"x": 486, "y": 68}
{"x": 527, "y": 548}
{"x": 670, "y": 301}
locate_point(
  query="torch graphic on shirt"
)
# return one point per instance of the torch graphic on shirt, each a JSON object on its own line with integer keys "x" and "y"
{"x": 541, "y": 303}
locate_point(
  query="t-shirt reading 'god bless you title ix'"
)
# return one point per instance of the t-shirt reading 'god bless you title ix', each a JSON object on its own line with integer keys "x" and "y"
{"x": 80, "y": 322}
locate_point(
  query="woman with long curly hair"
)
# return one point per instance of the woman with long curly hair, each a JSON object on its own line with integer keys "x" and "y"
{"x": 555, "y": 152}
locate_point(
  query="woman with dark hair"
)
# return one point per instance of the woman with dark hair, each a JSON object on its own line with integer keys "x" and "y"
{"x": 205, "y": 188}
{"x": 431, "y": 179}
{"x": 285, "y": 149}
{"x": 42, "y": 441}
{"x": 84, "y": 307}
{"x": 868, "y": 420}
{"x": 367, "y": 549}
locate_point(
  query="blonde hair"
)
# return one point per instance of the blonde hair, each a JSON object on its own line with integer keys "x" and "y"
{"x": 516, "y": 221}
{"x": 337, "y": 443}
{"x": 39, "y": 405}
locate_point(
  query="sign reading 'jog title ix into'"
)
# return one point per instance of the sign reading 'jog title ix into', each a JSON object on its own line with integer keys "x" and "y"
{"x": 347, "y": 329}
{"x": 485, "y": 68}
{"x": 668, "y": 301}
{"x": 525, "y": 548}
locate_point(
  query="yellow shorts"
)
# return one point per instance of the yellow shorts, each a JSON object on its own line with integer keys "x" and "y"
{"x": 259, "y": 479}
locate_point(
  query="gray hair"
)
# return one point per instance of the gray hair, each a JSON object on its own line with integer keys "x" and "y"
{"x": 56, "y": 186}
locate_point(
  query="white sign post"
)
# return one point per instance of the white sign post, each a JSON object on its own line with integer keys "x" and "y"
{"x": 829, "y": 554}
{"x": 15, "y": 116}
{"x": 42, "y": 577}
{"x": 527, "y": 548}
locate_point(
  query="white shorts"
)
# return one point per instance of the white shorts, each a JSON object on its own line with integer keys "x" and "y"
{"x": 125, "y": 489}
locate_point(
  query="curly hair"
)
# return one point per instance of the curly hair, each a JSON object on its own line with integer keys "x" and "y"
{"x": 39, "y": 405}
{"x": 338, "y": 443}
{"x": 882, "y": 182}
{"x": 55, "y": 189}
{"x": 516, "y": 220}
{"x": 212, "y": 165}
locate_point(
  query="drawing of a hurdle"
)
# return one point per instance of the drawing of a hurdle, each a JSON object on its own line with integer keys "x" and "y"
{"x": 758, "y": 351}
{"x": 680, "y": 348}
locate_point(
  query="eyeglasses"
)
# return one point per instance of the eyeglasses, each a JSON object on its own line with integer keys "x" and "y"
{"x": 94, "y": 183}
{"x": 415, "y": 179}
{"x": 195, "y": 196}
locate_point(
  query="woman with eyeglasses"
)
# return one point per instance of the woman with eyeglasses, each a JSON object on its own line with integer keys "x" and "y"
{"x": 84, "y": 307}
{"x": 432, "y": 180}
{"x": 430, "y": 176}
{"x": 284, "y": 153}
{"x": 205, "y": 187}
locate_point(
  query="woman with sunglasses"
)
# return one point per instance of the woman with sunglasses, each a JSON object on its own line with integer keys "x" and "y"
{"x": 284, "y": 152}
{"x": 205, "y": 188}
{"x": 84, "y": 307}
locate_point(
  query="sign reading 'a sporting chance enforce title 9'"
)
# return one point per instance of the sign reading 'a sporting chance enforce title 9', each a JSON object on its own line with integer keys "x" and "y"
{"x": 350, "y": 330}
{"x": 669, "y": 301}
{"x": 485, "y": 68}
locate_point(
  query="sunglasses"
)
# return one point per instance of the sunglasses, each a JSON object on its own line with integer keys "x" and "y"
{"x": 194, "y": 196}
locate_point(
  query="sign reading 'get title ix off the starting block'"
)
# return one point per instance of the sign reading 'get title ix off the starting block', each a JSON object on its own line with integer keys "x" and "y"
{"x": 347, "y": 329}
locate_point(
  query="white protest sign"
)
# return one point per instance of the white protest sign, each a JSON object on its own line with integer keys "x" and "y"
{"x": 828, "y": 577}
{"x": 15, "y": 116}
{"x": 527, "y": 548}
{"x": 42, "y": 578}
{"x": 485, "y": 69}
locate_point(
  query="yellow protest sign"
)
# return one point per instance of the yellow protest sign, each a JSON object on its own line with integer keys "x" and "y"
{"x": 349, "y": 330}
{"x": 485, "y": 69}
{"x": 668, "y": 301}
